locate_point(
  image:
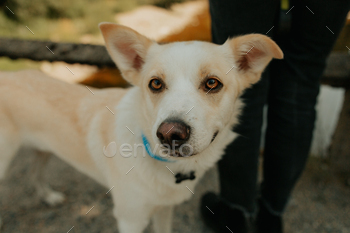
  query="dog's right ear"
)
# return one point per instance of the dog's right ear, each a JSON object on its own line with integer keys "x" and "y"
{"x": 127, "y": 49}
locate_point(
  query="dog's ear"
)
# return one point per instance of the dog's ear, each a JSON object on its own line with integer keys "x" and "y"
{"x": 251, "y": 54}
{"x": 127, "y": 49}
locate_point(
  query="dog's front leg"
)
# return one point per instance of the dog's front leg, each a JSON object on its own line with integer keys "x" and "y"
{"x": 132, "y": 212}
{"x": 162, "y": 219}
{"x": 131, "y": 220}
{"x": 45, "y": 192}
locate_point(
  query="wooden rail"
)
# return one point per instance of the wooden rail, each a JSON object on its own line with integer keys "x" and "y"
{"x": 51, "y": 51}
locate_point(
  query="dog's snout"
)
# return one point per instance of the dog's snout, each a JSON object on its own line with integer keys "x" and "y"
{"x": 176, "y": 132}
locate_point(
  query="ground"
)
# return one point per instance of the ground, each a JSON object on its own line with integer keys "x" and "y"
{"x": 320, "y": 202}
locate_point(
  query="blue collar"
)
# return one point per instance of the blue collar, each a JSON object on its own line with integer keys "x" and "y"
{"x": 148, "y": 149}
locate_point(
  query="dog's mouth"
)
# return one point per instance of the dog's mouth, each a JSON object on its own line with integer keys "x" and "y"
{"x": 182, "y": 152}
{"x": 187, "y": 151}
{"x": 177, "y": 153}
{"x": 214, "y": 136}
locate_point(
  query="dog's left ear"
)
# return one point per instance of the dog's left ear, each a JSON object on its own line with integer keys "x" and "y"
{"x": 127, "y": 49}
{"x": 251, "y": 54}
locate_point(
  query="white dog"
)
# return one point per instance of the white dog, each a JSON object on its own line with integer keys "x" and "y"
{"x": 162, "y": 134}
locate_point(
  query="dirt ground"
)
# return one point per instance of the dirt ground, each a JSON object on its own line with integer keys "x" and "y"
{"x": 320, "y": 202}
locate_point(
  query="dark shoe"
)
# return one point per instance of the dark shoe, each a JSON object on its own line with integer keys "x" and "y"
{"x": 266, "y": 222}
{"x": 220, "y": 217}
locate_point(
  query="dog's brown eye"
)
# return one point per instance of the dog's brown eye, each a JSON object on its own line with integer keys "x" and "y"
{"x": 212, "y": 83}
{"x": 155, "y": 84}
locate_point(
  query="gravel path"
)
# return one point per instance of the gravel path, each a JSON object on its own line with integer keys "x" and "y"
{"x": 320, "y": 203}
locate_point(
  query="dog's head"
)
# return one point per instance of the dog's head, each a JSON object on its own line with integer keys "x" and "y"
{"x": 189, "y": 88}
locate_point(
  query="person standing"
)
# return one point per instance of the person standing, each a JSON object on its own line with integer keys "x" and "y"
{"x": 289, "y": 87}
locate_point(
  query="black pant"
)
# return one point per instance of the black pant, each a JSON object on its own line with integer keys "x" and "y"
{"x": 289, "y": 87}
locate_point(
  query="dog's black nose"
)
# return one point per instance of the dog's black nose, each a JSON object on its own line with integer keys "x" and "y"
{"x": 176, "y": 132}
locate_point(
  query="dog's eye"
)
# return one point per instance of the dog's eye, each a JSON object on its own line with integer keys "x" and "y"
{"x": 155, "y": 84}
{"x": 212, "y": 84}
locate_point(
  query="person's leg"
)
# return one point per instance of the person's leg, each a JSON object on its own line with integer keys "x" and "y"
{"x": 238, "y": 168}
{"x": 294, "y": 86}
{"x": 236, "y": 202}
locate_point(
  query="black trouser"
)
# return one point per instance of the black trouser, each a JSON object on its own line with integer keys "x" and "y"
{"x": 289, "y": 87}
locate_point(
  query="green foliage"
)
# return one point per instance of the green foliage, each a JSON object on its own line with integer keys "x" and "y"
{"x": 51, "y": 9}
{"x": 8, "y": 64}
{"x": 59, "y": 20}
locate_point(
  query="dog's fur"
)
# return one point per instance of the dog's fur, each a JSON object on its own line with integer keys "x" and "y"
{"x": 74, "y": 124}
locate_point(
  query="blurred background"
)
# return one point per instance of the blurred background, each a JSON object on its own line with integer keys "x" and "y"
{"x": 321, "y": 201}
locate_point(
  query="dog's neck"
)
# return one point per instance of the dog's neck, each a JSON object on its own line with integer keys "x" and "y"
{"x": 150, "y": 153}
{"x": 179, "y": 177}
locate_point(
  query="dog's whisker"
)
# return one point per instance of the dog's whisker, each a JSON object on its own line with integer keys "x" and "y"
{"x": 240, "y": 135}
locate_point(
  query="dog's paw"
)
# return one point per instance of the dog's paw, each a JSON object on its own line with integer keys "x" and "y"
{"x": 54, "y": 198}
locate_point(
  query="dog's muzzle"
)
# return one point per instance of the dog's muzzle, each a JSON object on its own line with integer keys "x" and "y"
{"x": 170, "y": 132}
{"x": 173, "y": 134}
